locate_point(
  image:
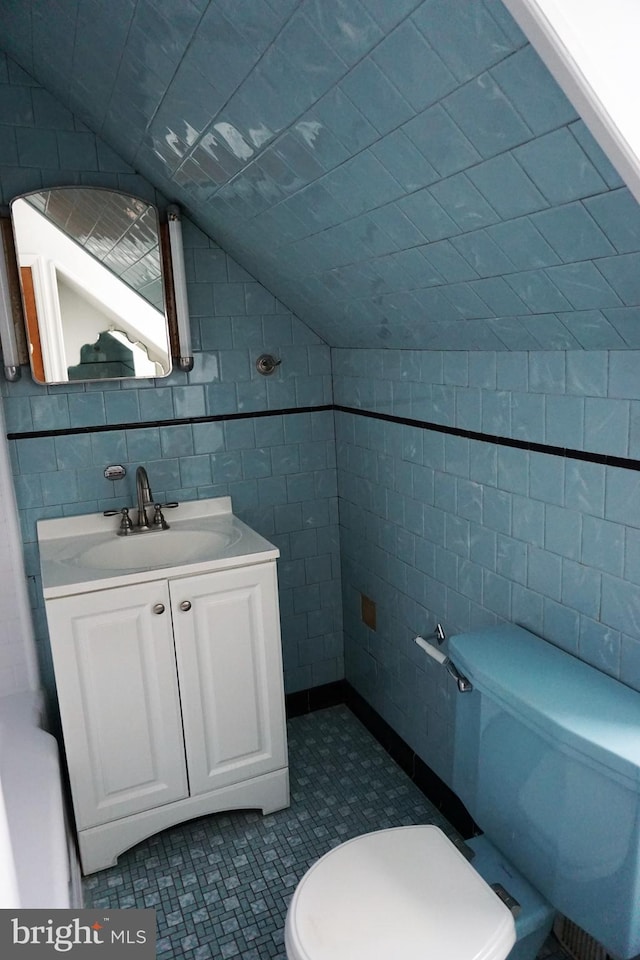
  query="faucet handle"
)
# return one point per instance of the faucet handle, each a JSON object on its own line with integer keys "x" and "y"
{"x": 159, "y": 521}
{"x": 126, "y": 523}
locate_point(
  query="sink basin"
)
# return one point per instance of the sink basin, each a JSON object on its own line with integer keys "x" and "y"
{"x": 82, "y": 553}
{"x": 156, "y": 549}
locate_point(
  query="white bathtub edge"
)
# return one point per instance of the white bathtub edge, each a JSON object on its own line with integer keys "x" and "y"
{"x": 44, "y": 861}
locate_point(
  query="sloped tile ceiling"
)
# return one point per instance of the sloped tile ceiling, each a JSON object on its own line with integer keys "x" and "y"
{"x": 399, "y": 173}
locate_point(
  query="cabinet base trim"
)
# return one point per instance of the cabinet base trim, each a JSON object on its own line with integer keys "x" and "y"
{"x": 101, "y": 846}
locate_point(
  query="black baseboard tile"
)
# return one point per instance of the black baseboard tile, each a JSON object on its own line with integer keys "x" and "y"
{"x": 386, "y": 736}
{"x": 442, "y": 797}
{"x": 315, "y": 698}
{"x": 433, "y": 787}
{"x": 296, "y": 703}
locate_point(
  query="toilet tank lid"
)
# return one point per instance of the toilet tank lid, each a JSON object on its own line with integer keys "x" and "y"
{"x": 563, "y": 696}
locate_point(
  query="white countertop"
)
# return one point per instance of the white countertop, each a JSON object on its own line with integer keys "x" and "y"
{"x": 69, "y": 546}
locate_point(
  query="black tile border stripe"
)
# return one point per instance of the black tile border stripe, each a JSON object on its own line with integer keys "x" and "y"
{"x": 587, "y": 456}
{"x": 184, "y": 421}
{"x": 568, "y": 453}
{"x": 434, "y": 789}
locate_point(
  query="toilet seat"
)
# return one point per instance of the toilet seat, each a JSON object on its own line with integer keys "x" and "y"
{"x": 405, "y": 892}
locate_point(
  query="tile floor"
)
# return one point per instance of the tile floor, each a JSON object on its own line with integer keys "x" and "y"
{"x": 220, "y": 885}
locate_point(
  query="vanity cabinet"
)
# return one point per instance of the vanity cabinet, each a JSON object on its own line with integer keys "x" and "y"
{"x": 172, "y": 704}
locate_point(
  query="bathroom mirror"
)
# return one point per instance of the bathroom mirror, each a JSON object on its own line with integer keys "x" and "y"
{"x": 90, "y": 265}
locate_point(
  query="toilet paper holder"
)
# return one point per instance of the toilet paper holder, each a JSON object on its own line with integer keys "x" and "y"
{"x": 464, "y": 685}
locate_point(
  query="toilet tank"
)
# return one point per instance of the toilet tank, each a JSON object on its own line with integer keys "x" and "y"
{"x": 547, "y": 761}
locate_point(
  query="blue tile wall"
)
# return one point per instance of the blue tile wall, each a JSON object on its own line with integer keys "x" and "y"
{"x": 370, "y": 163}
{"x": 279, "y": 469}
{"x": 437, "y": 527}
{"x": 576, "y": 400}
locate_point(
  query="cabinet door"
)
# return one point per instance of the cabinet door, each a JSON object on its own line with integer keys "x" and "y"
{"x": 230, "y": 669}
{"x": 116, "y": 677}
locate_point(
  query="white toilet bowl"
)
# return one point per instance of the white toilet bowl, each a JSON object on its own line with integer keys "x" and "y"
{"x": 406, "y": 893}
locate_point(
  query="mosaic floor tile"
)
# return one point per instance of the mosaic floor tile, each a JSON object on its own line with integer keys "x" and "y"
{"x": 221, "y": 884}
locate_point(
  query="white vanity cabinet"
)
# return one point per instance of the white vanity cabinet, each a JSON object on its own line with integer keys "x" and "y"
{"x": 171, "y": 699}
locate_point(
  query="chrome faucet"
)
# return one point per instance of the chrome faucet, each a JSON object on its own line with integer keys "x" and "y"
{"x": 145, "y": 497}
{"x": 145, "y": 500}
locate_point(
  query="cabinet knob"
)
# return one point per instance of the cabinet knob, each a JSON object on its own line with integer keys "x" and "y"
{"x": 158, "y": 608}
{"x": 185, "y": 605}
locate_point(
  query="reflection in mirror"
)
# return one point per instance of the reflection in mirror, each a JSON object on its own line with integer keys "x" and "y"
{"x": 92, "y": 285}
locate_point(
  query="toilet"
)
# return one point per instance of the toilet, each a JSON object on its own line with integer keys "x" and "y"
{"x": 547, "y": 761}
{"x": 386, "y": 894}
